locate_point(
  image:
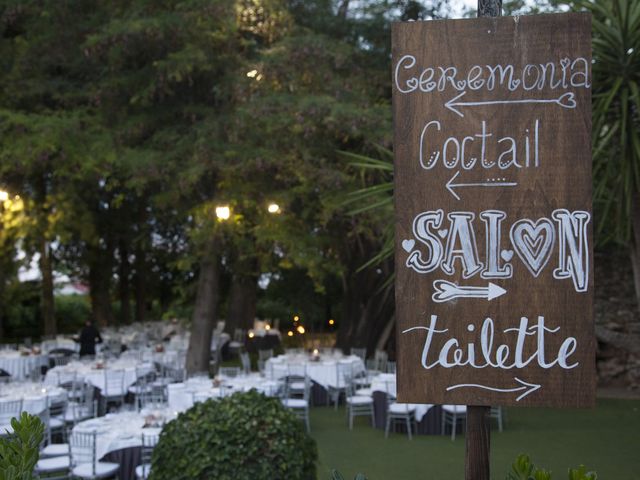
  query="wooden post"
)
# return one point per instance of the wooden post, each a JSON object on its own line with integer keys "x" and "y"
{"x": 476, "y": 466}
{"x": 478, "y": 437}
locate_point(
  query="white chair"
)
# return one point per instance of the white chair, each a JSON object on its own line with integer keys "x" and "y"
{"x": 229, "y": 372}
{"x": 381, "y": 358}
{"x": 451, "y": 414}
{"x": 357, "y": 405}
{"x": 48, "y": 449}
{"x": 57, "y": 423}
{"x": 237, "y": 344}
{"x": 296, "y": 380}
{"x": 300, "y": 406}
{"x": 245, "y": 360}
{"x": 403, "y": 412}
{"x": 8, "y": 410}
{"x": 498, "y": 414}
{"x": 360, "y": 353}
{"x": 84, "y": 408}
{"x": 334, "y": 391}
{"x": 84, "y": 463}
{"x": 53, "y": 468}
{"x": 265, "y": 355}
{"x": 143, "y": 385}
{"x": 149, "y": 442}
{"x": 114, "y": 389}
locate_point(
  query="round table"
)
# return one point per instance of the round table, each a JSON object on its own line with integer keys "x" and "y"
{"x": 18, "y": 365}
{"x": 182, "y": 396}
{"x": 323, "y": 371}
{"x": 33, "y": 395}
{"x": 119, "y": 436}
{"x": 88, "y": 372}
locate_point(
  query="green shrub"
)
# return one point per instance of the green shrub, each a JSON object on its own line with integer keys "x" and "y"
{"x": 524, "y": 469}
{"x": 246, "y": 436}
{"x": 19, "y": 451}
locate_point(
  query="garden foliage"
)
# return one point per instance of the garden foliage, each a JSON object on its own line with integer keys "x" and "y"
{"x": 245, "y": 436}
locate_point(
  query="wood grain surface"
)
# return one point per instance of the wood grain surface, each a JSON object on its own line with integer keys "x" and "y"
{"x": 477, "y": 90}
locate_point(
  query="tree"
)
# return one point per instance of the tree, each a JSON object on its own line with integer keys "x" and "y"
{"x": 616, "y": 125}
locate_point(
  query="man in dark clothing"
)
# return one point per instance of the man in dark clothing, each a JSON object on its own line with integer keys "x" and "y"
{"x": 89, "y": 336}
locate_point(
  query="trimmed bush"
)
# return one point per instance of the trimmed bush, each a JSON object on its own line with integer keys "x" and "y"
{"x": 246, "y": 436}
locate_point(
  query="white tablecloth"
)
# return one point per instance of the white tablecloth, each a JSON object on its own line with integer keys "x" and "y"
{"x": 323, "y": 372}
{"x": 87, "y": 372}
{"x": 18, "y": 365}
{"x": 386, "y": 383}
{"x": 33, "y": 395}
{"x": 121, "y": 430}
{"x": 182, "y": 396}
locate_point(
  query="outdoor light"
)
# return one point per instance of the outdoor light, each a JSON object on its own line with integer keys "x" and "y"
{"x": 252, "y": 73}
{"x": 300, "y": 329}
{"x": 4, "y": 196}
{"x": 273, "y": 208}
{"x": 296, "y": 318}
{"x": 251, "y": 334}
{"x": 290, "y": 333}
{"x": 223, "y": 212}
{"x": 331, "y": 321}
{"x": 267, "y": 327}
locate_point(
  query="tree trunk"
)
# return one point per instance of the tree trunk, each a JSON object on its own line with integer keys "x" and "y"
{"x": 205, "y": 311}
{"x": 46, "y": 300}
{"x": 124, "y": 286}
{"x": 242, "y": 303}
{"x": 635, "y": 244}
{"x": 140, "y": 290}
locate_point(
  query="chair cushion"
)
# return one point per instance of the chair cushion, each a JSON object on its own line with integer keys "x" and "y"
{"x": 359, "y": 400}
{"x": 53, "y": 464}
{"x": 297, "y": 386}
{"x": 138, "y": 389}
{"x": 364, "y": 392}
{"x": 55, "y": 423}
{"x": 457, "y": 409}
{"x": 55, "y": 450}
{"x": 401, "y": 408}
{"x": 77, "y": 413}
{"x": 103, "y": 469}
{"x": 142, "y": 471}
{"x": 295, "y": 403}
{"x": 234, "y": 344}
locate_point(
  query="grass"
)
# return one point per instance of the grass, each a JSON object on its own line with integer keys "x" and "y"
{"x": 605, "y": 439}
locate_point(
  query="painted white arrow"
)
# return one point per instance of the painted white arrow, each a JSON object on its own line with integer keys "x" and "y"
{"x": 450, "y": 185}
{"x": 446, "y": 291}
{"x": 566, "y": 100}
{"x": 525, "y": 387}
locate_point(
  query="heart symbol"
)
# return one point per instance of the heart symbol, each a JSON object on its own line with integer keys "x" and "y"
{"x": 565, "y": 62}
{"x": 412, "y": 83}
{"x": 408, "y": 244}
{"x": 533, "y": 242}
{"x": 567, "y": 100}
{"x": 443, "y": 232}
{"x": 506, "y": 255}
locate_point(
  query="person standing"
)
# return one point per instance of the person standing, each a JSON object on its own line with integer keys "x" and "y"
{"x": 89, "y": 337}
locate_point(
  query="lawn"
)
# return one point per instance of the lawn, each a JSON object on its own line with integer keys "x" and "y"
{"x": 605, "y": 439}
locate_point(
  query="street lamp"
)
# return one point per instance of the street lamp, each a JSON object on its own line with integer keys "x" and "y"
{"x": 273, "y": 208}
{"x": 223, "y": 212}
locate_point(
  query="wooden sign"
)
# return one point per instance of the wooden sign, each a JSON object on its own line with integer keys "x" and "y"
{"x": 494, "y": 243}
